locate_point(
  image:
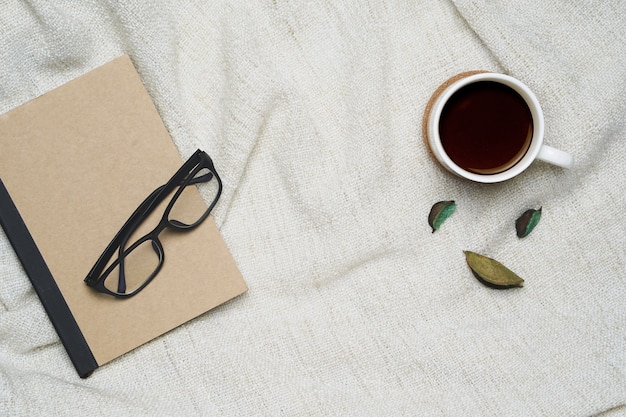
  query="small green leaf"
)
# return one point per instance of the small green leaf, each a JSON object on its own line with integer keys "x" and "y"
{"x": 440, "y": 212}
{"x": 527, "y": 222}
{"x": 491, "y": 272}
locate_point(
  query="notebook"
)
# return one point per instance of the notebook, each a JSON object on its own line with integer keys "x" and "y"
{"x": 74, "y": 164}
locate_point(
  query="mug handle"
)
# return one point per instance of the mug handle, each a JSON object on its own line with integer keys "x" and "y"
{"x": 555, "y": 156}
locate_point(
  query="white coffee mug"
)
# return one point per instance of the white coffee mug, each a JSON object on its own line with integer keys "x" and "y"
{"x": 534, "y": 150}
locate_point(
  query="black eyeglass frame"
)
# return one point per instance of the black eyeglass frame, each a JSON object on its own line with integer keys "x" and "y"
{"x": 183, "y": 178}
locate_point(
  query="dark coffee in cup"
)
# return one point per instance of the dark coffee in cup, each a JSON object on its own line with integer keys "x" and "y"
{"x": 486, "y": 127}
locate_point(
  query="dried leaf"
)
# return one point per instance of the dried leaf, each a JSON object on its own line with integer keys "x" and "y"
{"x": 491, "y": 272}
{"x": 527, "y": 222}
{"x": 440, "y": 212}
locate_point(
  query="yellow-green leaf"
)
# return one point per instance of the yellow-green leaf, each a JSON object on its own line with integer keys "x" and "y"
{"x": 491, "y": 272}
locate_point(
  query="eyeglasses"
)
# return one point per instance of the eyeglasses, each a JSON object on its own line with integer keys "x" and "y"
{"x": 139, "y": 260}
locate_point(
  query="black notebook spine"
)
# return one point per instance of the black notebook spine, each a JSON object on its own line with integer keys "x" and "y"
{"x": 45, "y": 286}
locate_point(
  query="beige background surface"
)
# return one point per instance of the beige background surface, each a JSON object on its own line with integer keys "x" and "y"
{"x": 312, "y": 111}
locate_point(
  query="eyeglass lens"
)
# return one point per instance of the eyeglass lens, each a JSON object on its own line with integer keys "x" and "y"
{"x": 134, "y": 269}
{"x": 187, "y": 209}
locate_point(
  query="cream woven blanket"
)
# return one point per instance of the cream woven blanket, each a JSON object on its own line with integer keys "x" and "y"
{"x": 312, "y": 111}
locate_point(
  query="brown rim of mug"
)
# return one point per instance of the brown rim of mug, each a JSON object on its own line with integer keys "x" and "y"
{"x": 431, "y": 101}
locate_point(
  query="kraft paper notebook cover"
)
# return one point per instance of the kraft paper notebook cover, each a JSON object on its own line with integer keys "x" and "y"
{"x": 74, "y": 164}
